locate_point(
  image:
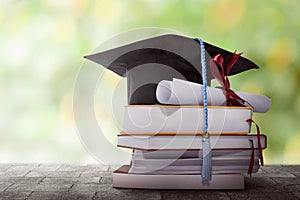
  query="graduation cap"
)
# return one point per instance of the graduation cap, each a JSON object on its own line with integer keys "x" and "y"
{"x": 146, "y": 62}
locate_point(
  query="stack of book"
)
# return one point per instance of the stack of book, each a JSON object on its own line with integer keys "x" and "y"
{"x": 167, "y": 139}
{"x": 167, "y": 147}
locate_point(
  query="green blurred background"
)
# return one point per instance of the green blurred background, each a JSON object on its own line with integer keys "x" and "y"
{"x": 43, "y": 42}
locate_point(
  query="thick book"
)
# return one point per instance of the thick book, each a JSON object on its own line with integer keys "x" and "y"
{"x": 184, "y": 142}
{"x": 122, "y": 179}
{"x": 190, "y": 162}
{"x": 163, "y": 119}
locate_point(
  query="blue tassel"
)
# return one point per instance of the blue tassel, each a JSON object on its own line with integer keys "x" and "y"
{"x": 206, "y": 162}
{"x": 206, "y": 147}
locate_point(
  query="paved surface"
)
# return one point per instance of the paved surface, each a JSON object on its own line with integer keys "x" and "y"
{"x": 52, "y": 181}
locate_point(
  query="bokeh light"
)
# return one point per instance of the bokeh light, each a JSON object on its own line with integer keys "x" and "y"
{"x": 43, "y": 44}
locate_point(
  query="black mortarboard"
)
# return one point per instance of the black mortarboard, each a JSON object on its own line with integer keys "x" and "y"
{"x": 145, "y": 63}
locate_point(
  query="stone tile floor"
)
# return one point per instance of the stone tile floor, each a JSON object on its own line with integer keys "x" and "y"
{"x": 60, "y": 181}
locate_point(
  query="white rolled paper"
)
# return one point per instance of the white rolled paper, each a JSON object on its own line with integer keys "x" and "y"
{"x": 180, "y": 92}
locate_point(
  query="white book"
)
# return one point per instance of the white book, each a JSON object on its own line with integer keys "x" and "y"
{"x": 195, "y": 169}
{"x": 184, "y": 142}
{"x": 139, "y": 119}
{"x": 223, "y": 161}
{"x": 176, "y": 154}
{"x": 188, "y": 162}
{"x": 121, "y": 179}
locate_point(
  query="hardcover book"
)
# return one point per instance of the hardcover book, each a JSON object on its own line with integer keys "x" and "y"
{"x": 121, "y": 179}
{"x": 161, "y": 119}
{"x": 177, "y": 142}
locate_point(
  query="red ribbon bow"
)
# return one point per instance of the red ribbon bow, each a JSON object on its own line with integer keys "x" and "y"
{"x": 232, "y": 99}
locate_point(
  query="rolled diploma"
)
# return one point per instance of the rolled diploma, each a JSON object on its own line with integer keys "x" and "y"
{"x": 180, "y": 92}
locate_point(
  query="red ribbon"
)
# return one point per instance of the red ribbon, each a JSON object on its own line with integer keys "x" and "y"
{"x": 232, "y": 99}
{"x": 258, "y": 142}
